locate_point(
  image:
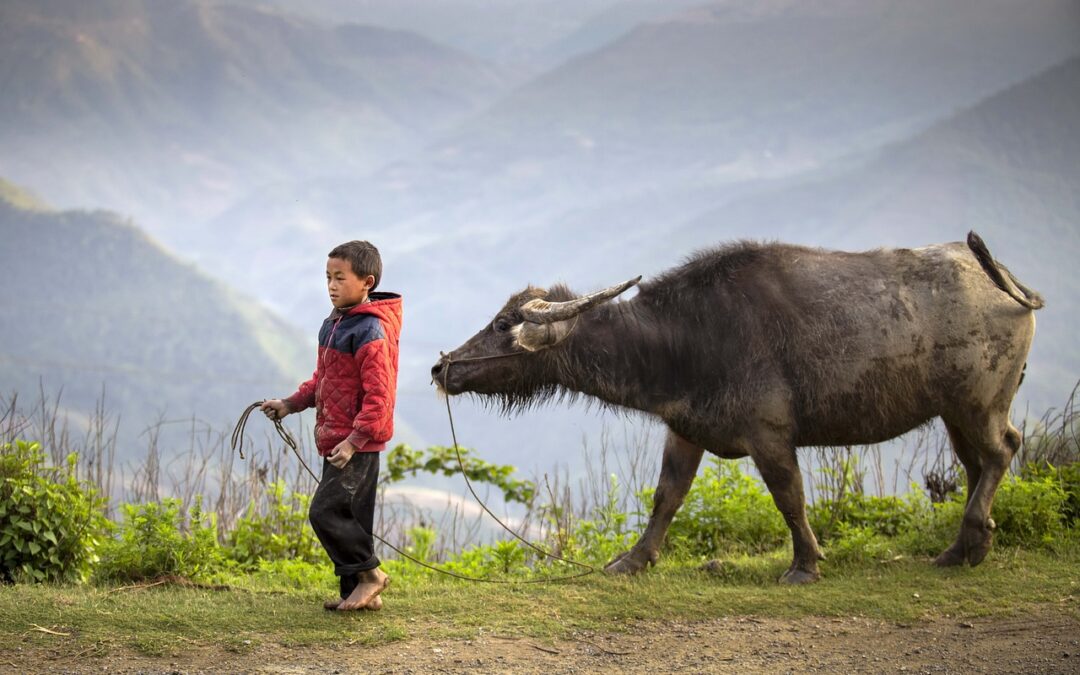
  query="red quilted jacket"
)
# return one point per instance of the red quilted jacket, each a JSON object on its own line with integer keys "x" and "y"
{"x": 355, "y": 382}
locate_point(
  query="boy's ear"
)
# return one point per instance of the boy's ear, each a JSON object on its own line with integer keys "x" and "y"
{"x": 369, "y": 281}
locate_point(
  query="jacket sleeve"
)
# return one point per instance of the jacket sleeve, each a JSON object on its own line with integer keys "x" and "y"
{"x": 304, "y": 397}
{"x": 375, "y": 420}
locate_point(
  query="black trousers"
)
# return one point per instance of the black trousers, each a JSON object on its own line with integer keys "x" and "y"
{"x": 342, "y": 513}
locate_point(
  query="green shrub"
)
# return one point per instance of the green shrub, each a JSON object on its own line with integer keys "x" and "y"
{"x": 727, "y": 510}
{"x": 154, "y": 542}
{"x": 597, "y": 539}
{"x": 51, "y": 524}
{"x": 501, "y": 559}
{"x": 282, "y": 533}
{"x": 885, "y": 516}
{"x": 933, "y": 526}
{"x": 403, "y": 461}
{"x": 1068, "y": 477}
{"x": 1029, "y": 511}
{"x": 859, "y": 544}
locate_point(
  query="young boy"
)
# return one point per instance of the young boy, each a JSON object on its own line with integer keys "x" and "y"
{"x": 353, "y": 391}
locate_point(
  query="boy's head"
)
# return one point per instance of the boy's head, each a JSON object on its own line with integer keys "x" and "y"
{"x": 353, "y": 269}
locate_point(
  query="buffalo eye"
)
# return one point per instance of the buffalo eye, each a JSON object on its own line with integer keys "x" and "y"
{"x": 501, "y": 325}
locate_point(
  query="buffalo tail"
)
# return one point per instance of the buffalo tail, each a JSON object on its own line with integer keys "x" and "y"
{"x": 1002, "y": 276}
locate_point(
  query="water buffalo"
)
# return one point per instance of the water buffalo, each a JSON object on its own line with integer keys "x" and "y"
{"x": 757, "y": 349}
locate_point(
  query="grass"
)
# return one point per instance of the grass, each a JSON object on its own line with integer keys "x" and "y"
{"x": 168, "y": 621}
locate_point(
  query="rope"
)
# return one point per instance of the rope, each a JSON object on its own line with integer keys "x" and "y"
{"x": 461, "y": 465}
{"x": 237, "y": 444}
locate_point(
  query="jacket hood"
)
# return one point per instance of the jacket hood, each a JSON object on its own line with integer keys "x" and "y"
{"x": 386, "y": 306}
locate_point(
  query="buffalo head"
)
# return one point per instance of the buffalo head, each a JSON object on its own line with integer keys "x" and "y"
{"x": 507, "y": 359}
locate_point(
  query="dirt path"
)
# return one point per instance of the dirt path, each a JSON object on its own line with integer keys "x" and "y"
{"x": 1045, "y": 642}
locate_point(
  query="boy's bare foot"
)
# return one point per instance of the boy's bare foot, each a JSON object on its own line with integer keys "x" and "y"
{"x": 372, "y": 582}
{"x": 375, "y": 604}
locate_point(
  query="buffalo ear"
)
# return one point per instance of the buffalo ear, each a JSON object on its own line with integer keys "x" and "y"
{"x": 533, "y": 337}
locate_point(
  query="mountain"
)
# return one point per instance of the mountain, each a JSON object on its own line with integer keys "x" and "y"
{"x": 607, "y": 25}
{"x": 101, "y": 306}
{"x": 678, "y": 115}
{"x": 171, "y": 111}
{"x": 514, "y": 34}
{"x": 1006, "y": 168}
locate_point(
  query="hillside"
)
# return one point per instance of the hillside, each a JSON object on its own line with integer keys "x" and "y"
{"x": 173, "y": 110}
{"x": 102, "y": 307}
{"x": 515, "y": 33}
{"x": 1006, "y": 168}
{"x": 677, "y": 115}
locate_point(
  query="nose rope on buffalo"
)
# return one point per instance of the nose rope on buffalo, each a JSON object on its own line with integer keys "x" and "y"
{"x": 237, "y": 444}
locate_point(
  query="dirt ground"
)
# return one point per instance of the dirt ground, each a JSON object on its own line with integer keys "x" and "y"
{"x": 1045, "y": 642}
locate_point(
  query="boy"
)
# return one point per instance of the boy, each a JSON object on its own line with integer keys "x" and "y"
{"x": 353, "y": 391}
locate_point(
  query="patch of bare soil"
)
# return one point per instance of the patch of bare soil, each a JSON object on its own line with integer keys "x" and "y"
{"x": 1047, "y": 641}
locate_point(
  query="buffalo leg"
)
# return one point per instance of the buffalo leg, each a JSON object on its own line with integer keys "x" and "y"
{"x": 995, "y": 441}
{"x": 680, "y": 464}
{"x": 969, "y": 457}
{"x": 777, "y": 463}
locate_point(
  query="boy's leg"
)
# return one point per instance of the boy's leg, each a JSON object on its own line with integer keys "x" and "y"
{"x": 342, "y": 515}
{"x": 371, "y": 581}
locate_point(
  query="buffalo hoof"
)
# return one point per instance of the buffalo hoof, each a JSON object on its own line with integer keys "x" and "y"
{"x": 797, "y": 577}
{"x": 951, "y": 557}
{"x": 974, "y": 542}
{"x": 626, "y": 563}
{"x": 976, "y": 553}
{"x": 978, "y": 541}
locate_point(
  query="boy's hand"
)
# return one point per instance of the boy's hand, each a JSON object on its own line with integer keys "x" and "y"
{"x": 275, "y": 408}
{"x": 341, "y": 454}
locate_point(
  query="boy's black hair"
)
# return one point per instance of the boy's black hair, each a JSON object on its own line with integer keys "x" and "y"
{"x": 363, "y": 256}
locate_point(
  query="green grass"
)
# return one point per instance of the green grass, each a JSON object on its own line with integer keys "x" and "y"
{"x": 166, "y": 621}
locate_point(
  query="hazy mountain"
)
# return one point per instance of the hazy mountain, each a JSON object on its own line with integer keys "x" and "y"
{"x": 94, "y": 304}
{"x": 609, "y": 24}
{"x": 515, "y": 33}
{"x": 678, "y": 115}
{"x": 172, "y": 110}
{"x": 1006, "y": 168}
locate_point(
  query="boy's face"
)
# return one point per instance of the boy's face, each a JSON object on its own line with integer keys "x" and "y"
{"x": 345, "y": 288}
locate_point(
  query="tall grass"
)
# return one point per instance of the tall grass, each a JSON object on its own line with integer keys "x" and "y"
{"x": 617, "y": 478}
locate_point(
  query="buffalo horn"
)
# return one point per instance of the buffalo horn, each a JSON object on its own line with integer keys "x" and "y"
{"x": 542, "y": 311}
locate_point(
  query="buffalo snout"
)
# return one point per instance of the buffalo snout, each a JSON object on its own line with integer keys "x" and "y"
{"x": 437, "y": 369}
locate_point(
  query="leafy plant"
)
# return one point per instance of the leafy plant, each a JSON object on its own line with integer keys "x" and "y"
{"x": 885, "y": 516}
{"x": 403, "y": 461}
{"x": 727, "y": 510}
{"x": 155, "y": 541}
{"x": 598, "y": 538}
{"x": 1068, "y": 477}
{"x": 859, "y": 544}
{"x": 503, "y": 558}
{"x": 51, "y": 524}
{"x": 1029, "y": 512}
{"x": 281, "y": 533}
